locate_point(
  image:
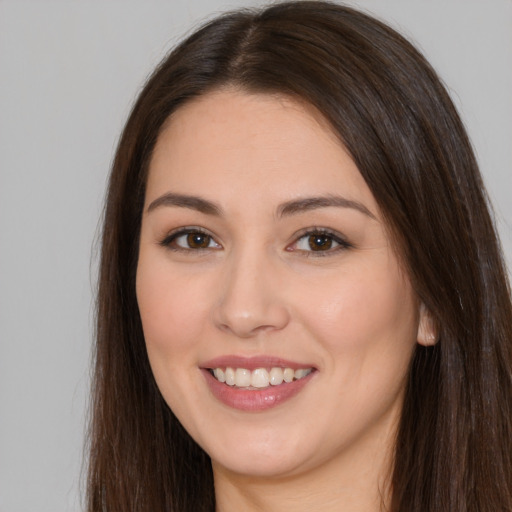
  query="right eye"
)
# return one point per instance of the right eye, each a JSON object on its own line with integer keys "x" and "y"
{"x": 190, "y": 240}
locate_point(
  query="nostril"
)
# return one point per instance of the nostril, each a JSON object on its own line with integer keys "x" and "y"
{"x": 250, "y": 303}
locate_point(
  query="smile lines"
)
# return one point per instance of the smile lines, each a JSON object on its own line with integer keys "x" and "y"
{"x": 258, "y": 378}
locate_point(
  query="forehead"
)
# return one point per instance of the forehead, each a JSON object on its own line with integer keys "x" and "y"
{"x": 259, "y": 146}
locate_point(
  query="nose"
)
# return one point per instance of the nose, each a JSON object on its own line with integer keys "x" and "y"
{"x": 251, "y": 299}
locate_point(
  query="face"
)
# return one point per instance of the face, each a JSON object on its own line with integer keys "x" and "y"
{"x": 278, "y": 322}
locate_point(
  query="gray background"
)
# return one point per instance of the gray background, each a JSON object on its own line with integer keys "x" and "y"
{"x": 69, "y": 71}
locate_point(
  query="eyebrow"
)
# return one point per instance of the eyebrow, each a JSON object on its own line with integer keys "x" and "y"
{"x": 313, "y": 203}
{"x": 185, "y": 201}
{"x": 288, "y": 208}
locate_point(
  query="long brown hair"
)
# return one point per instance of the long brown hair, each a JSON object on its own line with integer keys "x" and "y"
{"x": 390, "y": 111}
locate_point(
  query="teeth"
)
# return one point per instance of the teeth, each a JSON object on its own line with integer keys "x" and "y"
{"x": 288, "y": 374}
{"x": 242, "y": 378}
{"x": 276, "y": 376}
{"x": 300, "y": 373}
{"x": 219, "y": 374}
{"x": 259, "y": 378}
{"x": 230, "y": 376}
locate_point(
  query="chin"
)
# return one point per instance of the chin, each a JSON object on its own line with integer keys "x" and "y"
{"x": 259, "y": 467}
{"x": 263, "y": 459}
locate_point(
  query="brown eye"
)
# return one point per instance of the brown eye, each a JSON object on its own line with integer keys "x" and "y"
{"x": 190, "y": 240}
{"x": 198, "y": 240}
{"x": 319, "y": 242}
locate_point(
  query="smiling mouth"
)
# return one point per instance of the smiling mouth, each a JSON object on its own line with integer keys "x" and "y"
{"x": 258, "y": 378}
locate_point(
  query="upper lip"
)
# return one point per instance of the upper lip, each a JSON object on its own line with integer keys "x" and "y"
{"x": 253, "y": 362}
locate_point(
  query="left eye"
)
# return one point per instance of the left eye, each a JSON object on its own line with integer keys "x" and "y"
{"x": 319, "y": 242}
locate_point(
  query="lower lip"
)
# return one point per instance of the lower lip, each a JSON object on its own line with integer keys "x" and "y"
{"x": 254, "y": 400}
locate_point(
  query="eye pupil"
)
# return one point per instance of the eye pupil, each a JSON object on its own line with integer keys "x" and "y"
{"x": 320, "y": 242}
{"x": 198, "y": 240}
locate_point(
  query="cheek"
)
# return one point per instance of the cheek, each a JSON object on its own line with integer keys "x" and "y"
{"x": 173, "y": 321}
{"x": 172, "y": 310}
{"x": 363, "y": 315}
{"x": 367, "y": 328}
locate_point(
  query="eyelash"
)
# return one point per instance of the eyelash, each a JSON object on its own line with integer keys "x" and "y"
{"x": 331, "y": 236}
{"x": 168, "y": 241}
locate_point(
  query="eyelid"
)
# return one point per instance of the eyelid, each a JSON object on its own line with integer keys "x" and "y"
{"x": 185, "y": 230}
{"x": 341, "y": 240}
{"x": 336, "y": 236}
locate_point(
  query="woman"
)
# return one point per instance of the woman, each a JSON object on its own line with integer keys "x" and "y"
{"x": 302, "y": 300}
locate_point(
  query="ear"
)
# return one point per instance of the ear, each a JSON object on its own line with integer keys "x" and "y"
{"x": 427, "y": 329}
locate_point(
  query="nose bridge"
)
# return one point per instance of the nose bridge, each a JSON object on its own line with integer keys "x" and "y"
{"x": 250, "y": 298}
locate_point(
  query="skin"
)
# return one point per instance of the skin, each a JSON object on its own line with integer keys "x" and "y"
{"x": 258, "y": 288}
